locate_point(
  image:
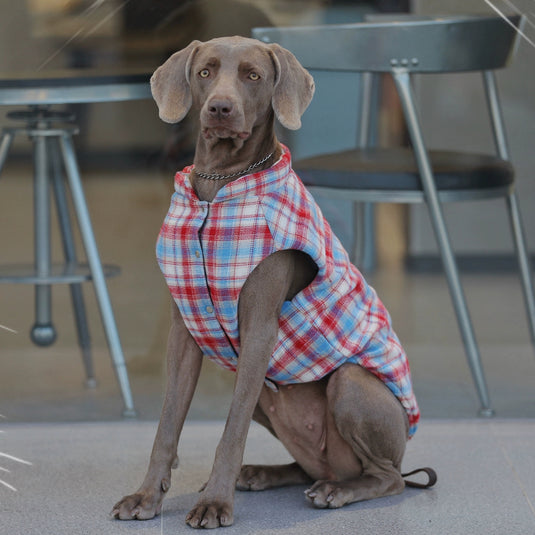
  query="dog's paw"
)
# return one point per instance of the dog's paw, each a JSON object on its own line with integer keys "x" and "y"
{"x": 254, "y": 477}
{"x": 329, "y": 494}
{"x": 210, "y": 515}
{"x": 138, "y": 506}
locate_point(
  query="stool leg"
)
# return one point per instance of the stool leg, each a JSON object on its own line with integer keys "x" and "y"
{"x": 99, "y": 281}
{"x": 42, "y": 332}
{"x": 523, "y": 260}
{"x": 77, "y": 298}
{"x": 7, "y": 139}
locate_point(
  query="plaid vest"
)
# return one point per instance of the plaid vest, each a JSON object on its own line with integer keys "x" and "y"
{"x": 206, "y": 251}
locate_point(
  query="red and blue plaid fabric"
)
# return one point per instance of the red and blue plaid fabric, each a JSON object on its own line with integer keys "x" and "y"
{"x": 206, "y": 251}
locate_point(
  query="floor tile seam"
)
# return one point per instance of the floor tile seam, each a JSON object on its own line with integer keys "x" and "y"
{"x": 514, "y": 471}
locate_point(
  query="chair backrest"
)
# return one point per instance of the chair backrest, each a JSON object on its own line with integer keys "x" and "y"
{"x": 419, "y": 45}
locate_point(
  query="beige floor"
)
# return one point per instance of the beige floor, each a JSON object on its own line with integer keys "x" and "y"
{"x": 127, "y": 209}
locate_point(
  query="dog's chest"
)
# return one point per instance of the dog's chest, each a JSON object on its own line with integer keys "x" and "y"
{"x": 206, "y": 252}
{"x": 221, "y": 242}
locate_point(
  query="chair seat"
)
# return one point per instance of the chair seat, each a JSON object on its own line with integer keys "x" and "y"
{"x": 395, "y": 169}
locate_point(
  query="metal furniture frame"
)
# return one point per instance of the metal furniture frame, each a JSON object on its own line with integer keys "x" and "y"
{"x": 403, "y": 48}
{"x": 54, "y": 159}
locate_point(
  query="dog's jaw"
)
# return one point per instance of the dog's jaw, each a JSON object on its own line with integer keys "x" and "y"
{"x": 214, "y": 134}
{"x": 226, "y": 146}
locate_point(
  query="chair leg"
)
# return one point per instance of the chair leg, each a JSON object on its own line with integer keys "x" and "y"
{"x": 357, "y": 251}
{"x": 7, "y": 139}
{"x": 402, "y": 80}
{"x": 461, "y": 309}
{"x": 77, "y": 298}
{"x": 523, "y": 260}
{"x": 364, "y": 251}
{"x": 369, "y": 260}
{"x": 99, "y": 281}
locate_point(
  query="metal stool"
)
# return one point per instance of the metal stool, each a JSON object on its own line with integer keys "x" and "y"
{"x": 52, "y": 149}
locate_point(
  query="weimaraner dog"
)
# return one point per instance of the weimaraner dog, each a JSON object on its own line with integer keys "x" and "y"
{"x": 263, "y": 287}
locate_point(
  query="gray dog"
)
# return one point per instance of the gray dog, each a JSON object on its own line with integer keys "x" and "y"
{"x": 264, "y": 288}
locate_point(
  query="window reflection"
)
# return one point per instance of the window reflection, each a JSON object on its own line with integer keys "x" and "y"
{"x": 58, "y": 34}
{"x": 46, "y": 36}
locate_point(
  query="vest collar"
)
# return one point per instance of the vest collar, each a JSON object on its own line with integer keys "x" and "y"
{"x": 253, "y": 184}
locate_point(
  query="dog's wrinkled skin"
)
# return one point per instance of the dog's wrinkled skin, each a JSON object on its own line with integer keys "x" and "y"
{"x": 347, "y": 432}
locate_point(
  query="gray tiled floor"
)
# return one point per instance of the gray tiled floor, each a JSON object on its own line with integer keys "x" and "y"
{"x": 485, "y": 482}
{"x": 485, "y": 466}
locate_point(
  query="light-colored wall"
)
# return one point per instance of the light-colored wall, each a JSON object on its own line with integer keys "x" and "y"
{"x": 457, "y": 104}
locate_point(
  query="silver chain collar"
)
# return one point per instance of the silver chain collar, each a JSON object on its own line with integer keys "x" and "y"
{"x": 217, "y": 176}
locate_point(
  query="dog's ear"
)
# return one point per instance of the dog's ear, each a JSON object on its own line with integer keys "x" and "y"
{"x": 294, "y": 87}
{"x": 170, "y": 85}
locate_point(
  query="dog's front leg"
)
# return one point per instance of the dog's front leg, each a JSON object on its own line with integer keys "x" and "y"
{"x": 215, "y": 506}
{"x": 184, "y": 360}
{"x": 260, "y": 302}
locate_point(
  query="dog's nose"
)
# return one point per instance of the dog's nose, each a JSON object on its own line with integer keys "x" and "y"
{"x": 220, "y": 107}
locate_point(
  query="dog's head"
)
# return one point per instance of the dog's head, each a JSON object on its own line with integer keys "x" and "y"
{"x": 234, "y": 82}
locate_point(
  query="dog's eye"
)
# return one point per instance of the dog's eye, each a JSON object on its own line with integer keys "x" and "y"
{"x": 204, "y": 73}
{"x": 254, "y": 76}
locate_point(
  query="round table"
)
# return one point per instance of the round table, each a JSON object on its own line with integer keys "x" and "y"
{"x": 73, "y": 87}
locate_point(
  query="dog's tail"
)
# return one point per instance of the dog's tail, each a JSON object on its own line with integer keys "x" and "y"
{"x": 431, "y": 474}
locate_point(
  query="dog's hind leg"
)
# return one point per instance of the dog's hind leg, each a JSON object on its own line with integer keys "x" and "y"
{"x": 260, "y": 477}
{"x": 263, "y": 477}
{"x": 373, "y": 422}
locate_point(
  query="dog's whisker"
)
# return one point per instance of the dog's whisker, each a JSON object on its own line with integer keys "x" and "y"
{"x": 10, "y": 487}
{"x": 6, "y": 484}
{"x": 504, "y": 17}
{"x": 59, "y": 50}
{"x": 8, "y": 329}
{"x": 105, "y": 19}
{"x": 16, "y": 459}
{"x": 83, "y": 32}
{"x": 519, "y": 12}
{"x": 7, "y": 471}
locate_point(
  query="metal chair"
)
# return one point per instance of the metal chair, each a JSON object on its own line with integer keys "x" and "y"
{"x": 51, "y": 132}
{"x": 402, "y": 49}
